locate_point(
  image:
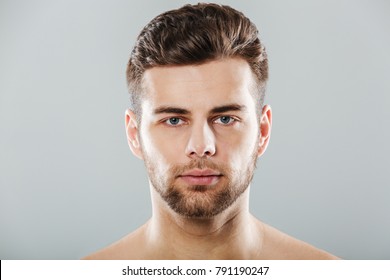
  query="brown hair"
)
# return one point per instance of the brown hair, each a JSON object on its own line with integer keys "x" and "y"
{"x": 195, "y": 34}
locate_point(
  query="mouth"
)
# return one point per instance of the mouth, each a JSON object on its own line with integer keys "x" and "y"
{"x": 200, "y": 177}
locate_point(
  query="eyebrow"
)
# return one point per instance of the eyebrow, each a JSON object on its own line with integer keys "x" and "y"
{"x": 171, "y": 110}
{"x": 227, "y": 108}
{"x": 215, "y": 110}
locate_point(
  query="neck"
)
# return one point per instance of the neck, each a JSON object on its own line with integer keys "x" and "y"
{"x": 232, "y": 234}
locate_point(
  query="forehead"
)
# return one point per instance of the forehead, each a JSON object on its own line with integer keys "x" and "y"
{"x": 203, "y": 86}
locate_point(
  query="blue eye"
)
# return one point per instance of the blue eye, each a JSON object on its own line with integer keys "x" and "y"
{"x": 225, "y": 120}
{"x": 173, "y": 121}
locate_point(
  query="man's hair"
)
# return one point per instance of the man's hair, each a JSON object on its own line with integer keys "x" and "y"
{"x": 192, "y": 35}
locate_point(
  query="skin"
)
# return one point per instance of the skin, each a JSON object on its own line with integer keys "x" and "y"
{"x": 232, "y": 138}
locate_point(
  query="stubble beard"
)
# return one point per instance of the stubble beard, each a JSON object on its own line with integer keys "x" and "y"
{"x": 201, "y": 201}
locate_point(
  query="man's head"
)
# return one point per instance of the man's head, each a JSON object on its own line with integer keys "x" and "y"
{"x": 192, "y": 35}
{"x": 197, "y": 78}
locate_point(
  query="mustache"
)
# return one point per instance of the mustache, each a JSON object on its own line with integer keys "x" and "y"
{"x": 201, "y": 163}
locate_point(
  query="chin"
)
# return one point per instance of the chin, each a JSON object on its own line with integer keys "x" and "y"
{"x": 200, "y": 202}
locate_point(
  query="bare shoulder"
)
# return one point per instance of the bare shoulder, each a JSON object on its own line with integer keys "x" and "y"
{"x": 278, "y": 245}
{"x": 128, "y": 247}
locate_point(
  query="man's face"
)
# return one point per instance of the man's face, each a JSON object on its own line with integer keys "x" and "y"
{"x": 199, "y": 134}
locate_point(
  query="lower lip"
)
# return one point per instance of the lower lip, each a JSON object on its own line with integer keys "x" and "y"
{"x": 200, "y": 180}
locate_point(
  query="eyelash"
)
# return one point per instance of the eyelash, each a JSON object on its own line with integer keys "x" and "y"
{"x": 231, "y": 121}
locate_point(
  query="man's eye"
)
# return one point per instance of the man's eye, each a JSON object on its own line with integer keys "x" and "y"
{"x": 174, "y": 121}
{"x": 225, "y": 120}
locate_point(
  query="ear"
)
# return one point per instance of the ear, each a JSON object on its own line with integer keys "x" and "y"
{"x": 265, "y": 129}
{"x": 132, "y": 133}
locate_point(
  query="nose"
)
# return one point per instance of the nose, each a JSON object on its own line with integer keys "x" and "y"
{"x": 201, "y": 142}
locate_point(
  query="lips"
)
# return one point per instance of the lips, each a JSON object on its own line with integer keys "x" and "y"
{"x": 201, "y": 172}
{"x": 201, "y": 177}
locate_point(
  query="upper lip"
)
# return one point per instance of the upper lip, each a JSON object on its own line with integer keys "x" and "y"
{"x": 201, "y": 172}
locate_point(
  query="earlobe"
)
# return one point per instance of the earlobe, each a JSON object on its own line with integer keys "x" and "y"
{"x": 132, "y": 133}
{"x": 265, "y": 129}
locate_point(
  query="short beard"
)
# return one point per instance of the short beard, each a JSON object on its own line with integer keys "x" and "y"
{"x": 201, "y": 201}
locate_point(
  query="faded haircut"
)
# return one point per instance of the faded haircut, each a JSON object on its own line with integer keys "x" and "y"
{"x": 195, "y": 34}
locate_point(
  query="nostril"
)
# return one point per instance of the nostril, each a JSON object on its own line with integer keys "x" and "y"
{"x": 201, "y": 153}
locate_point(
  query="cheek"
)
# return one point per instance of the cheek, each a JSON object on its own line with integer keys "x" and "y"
{"x": 162, "y": 147}
{"x": 237, "y": 147}
{"x": 237, "y": 150}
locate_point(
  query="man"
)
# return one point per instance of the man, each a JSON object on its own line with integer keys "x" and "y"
{"x": 197, "y": 78}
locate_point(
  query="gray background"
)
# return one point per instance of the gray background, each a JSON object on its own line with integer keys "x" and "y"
{"x": 69, "y": 184}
